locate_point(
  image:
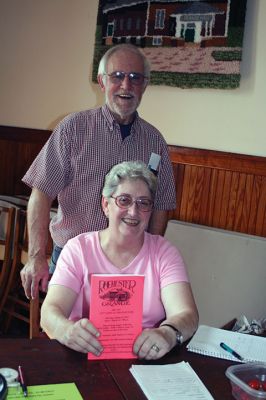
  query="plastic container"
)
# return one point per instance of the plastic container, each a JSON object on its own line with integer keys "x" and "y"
{"x": 242, "y": 375}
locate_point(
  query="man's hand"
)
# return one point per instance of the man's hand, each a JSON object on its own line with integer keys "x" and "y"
{"x": 35, "y": 273}
{"x": 36, "y": 270}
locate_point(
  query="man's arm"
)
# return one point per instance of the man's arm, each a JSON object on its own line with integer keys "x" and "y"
{"x": 158, "y": 222}
{"x": 36, "y": 270}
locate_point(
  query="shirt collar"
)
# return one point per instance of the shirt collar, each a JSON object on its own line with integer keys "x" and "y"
{"x": 110, "y": 118}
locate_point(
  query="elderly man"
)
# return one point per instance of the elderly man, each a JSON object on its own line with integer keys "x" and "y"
{"x": 82, "y": 149}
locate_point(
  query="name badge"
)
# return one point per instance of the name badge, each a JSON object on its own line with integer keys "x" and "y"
{"x": 154, "y": 163}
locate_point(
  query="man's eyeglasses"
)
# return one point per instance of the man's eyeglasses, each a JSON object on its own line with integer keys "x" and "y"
{"x": 136, "y": 78}
{"x": 125, "y": 201}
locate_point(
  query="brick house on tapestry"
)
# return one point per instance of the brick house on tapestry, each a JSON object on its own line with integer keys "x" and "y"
{"x": 166, "y": 23}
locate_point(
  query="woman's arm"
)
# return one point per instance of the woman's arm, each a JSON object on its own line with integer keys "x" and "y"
{"x": 181, "y": 312}
{"x": 78, "y": 335}
{"x": 180, "y": 308}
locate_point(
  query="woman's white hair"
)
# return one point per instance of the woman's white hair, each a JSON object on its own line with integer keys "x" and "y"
{"x": 129, "y": 170}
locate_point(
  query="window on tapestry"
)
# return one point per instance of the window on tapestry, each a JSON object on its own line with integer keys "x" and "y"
{"x": 110, "y": 29}
{"x": 138, "y": 20}
{"x": 182, "y": 32}
{"x": 129, "y": 24}
{"x": 159, "y": 19}
{"x": 157, "y": 41}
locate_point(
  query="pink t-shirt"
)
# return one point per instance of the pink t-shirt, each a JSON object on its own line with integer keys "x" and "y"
{"x": 158, "y": 260}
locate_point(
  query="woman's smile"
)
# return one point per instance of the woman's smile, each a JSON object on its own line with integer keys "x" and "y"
{"x": 131, "y": 221}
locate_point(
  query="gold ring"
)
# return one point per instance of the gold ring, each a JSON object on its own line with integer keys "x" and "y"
{"x": 155, "y": 348}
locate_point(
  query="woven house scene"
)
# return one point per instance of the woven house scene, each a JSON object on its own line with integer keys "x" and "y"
{"x": 188, "y": 43}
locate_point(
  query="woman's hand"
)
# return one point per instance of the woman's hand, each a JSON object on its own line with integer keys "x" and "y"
{"x": 78, "y": 335}
{"x": 154, "y": 343}
{"x": 82, "y": 336}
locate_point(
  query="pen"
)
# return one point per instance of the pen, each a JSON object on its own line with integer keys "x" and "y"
{"x": 233, "y": 352}
{"x": 22, "y": 382}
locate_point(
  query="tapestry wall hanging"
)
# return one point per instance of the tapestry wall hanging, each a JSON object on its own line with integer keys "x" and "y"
{"x": 189, "y": 44}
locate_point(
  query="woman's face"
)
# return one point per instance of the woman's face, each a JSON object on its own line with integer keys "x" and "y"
{"x": 130, "y": 222}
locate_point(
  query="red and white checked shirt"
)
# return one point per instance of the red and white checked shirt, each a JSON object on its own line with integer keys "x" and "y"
{"x": 73, "y": 163}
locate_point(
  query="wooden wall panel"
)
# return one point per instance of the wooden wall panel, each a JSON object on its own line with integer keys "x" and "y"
{"x": 212, "y": 199}
{"x": 216, "y": 189}
{"x": 246, "y": 203}
{"x": 221, "y": 190}
{"x": 18, "y": 148}
{"x": 261, "y": 214}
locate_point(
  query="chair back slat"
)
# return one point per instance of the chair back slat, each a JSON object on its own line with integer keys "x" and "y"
{"x": 7, "y": 221}
{"x": 15, "y": 304}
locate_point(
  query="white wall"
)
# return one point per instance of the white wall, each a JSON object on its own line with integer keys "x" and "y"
{"x": 46, "y": 52}
{"x": 227, "y": 271}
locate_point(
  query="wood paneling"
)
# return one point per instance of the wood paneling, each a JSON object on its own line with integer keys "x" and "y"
{"x": 216, "y": 189}
{"x": 18, "y": 148}
{"x": 221, "y": 190}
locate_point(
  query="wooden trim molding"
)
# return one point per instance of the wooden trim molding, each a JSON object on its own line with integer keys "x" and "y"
{"x": 24, "y": 135}
{"x": 213, "y": 188}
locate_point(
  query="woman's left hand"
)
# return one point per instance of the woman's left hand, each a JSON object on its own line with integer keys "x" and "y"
{"x": 154, "y": 343}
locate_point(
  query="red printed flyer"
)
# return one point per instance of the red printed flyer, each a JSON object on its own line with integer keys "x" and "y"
{"x": 116, "y": 307}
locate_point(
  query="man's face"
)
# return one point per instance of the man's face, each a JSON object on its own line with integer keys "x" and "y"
{"x": 123, "y": 97}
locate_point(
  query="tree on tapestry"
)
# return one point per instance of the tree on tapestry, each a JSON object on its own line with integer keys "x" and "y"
{"x": 190, "y": 44}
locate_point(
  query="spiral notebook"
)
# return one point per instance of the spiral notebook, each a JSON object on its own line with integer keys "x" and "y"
{"x": 207, "y": 341}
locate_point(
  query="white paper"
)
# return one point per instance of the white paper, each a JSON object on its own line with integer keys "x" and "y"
{"x": 171, "y": 381}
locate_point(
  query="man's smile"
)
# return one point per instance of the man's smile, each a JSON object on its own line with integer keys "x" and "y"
{"x": 125, "y": 96}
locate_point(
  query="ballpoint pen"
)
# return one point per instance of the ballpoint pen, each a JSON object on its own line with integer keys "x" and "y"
{"x": 233, "y": 352}
{"x": 22, "y": 382}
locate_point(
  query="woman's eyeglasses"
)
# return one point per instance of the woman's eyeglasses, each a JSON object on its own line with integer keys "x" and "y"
{"x": 135, "y": 78}
{"x": 125, "y": 201}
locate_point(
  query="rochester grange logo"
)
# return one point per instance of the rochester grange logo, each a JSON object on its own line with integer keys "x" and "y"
{"x": 116, "y": 292}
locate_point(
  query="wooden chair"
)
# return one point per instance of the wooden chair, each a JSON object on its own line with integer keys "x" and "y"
{"x": 7, "y": 221}
{"x": 15, "y": 304}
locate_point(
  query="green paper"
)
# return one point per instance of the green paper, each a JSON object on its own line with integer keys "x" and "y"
{"x": 60, "y": 391}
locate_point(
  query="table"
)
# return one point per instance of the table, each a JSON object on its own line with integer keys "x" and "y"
{"x": 209, "y": 369}
{"x": 46, "y": 361}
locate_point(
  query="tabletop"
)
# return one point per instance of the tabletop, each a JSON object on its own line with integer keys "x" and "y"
{"x": 46, "y": 361}
{"x": 209, "y": 369}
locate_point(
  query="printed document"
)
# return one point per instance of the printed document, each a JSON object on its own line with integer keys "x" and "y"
{"x": 171, "y": 382}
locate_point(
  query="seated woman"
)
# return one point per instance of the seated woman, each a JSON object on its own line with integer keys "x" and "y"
{"x": 169, "y": 310}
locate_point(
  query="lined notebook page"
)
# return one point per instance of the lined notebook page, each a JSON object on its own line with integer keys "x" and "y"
{"x": 207, "y": 341}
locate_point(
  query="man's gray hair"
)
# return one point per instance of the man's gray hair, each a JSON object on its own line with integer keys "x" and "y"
{"x": 129, "y": 170}
{"x": 123, "y": 47}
